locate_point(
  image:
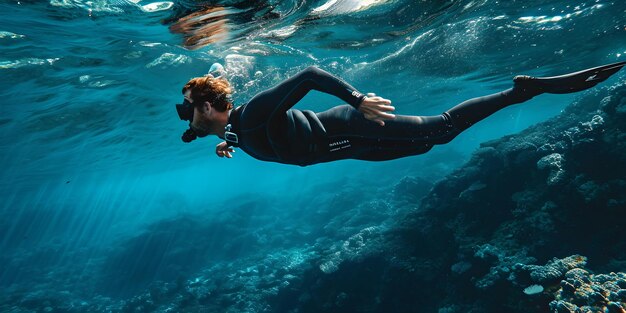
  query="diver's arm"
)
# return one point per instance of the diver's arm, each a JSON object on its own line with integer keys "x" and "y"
{"x": 285, "y": 95}
{"x": 315, "y": 78}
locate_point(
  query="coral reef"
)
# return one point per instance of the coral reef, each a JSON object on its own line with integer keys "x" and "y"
{"x": 553, "y": 271}
{"x": 553, "y": 190}
{"x": 584, "y": 292}
{"x": 357, "y": 246}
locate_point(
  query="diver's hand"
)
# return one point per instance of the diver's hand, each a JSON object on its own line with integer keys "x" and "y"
{"x": 223, "y": 150}
{"x": 374, "y": 108}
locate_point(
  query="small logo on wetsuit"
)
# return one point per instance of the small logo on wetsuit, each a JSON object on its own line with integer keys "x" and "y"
{"x": 356, "y": 94}
{"x": 338, "y": 145}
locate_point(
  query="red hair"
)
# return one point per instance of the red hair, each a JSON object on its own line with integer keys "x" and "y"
{"x": 214, "y": 90}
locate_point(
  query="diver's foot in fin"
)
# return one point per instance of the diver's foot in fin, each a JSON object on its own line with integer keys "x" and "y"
{"x": 567, "y": 83}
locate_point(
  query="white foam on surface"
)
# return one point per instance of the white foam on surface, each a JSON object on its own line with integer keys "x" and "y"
{"x": 336, "y": 7}
{"x": 4, "y": 34}
{"x": 26, "y": 62}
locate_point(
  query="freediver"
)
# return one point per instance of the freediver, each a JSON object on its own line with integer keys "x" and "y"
{"x": 268, "y": 129}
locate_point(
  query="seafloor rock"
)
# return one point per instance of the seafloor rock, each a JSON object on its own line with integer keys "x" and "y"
{"x": 584, "y": 292}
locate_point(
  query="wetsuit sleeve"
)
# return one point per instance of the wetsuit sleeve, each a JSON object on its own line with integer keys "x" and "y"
{"x": 285, "y": 95}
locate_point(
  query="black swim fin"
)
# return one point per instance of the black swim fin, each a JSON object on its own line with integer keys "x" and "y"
{"x": 568, "y": 83}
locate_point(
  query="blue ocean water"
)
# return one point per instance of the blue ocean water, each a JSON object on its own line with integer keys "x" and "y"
{"x": 99, "y": 192}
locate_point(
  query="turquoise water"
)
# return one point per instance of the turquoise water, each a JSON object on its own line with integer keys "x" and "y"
{"x": 90, "y": 140}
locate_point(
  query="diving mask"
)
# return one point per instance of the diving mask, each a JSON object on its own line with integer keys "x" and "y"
{"x": 185, "y": 110}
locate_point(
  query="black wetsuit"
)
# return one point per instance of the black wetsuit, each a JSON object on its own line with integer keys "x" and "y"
{"x": 268, "y": 129}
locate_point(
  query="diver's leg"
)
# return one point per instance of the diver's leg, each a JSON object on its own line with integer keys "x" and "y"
{"x": 416, "y": 131}
{"x": 472, "y": 111}
{"x": 353, "y": 136}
